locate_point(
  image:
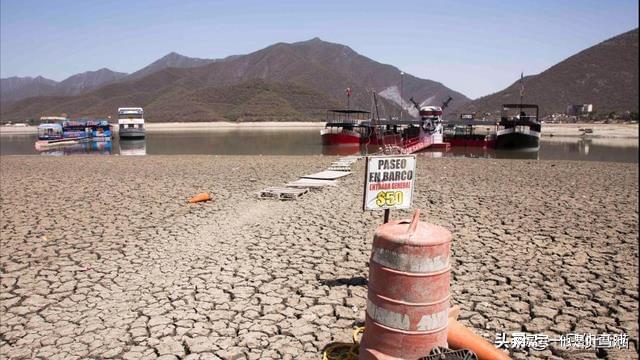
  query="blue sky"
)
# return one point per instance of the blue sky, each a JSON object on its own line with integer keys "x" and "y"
{"x": 475, "y": 47}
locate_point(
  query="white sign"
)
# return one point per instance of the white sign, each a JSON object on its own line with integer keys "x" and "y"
{"x": 389, "y": 182}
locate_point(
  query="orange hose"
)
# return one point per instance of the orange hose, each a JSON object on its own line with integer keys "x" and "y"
{"x": 461, "y": 337}
{"x": 200, "y": 197}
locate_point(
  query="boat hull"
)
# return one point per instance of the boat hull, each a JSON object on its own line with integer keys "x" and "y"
{"x": 42, "y": 145}
{"x": 50, "y": 137}
{"x": 131, "y": 133}
{"x": 517, "y": 140}
{"x": 341, "y": 138}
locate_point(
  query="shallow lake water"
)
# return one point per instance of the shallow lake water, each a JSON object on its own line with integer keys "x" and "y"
{"x": 307, "y": 142}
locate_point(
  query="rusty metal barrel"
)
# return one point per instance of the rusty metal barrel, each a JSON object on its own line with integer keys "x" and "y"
{"x": 408, "y": 295}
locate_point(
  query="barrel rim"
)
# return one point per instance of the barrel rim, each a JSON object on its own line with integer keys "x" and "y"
{"x": 408, "y": 239}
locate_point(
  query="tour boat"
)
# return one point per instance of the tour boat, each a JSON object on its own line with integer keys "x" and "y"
{"x": 520, "y": 130}
{"x": 413, "y": 135}
{"x": 50, "y": 127}
{"x": 100, "y": 130}
{"x": 356, "y": 127}
{"x": 345, "y": 127}
{"x": 464, "y": 137}
{"x": 131, "y": 123}
{"x": 463, "y": 133}
{"x": 76, "y": 129}
{"x": 49, "y": 131}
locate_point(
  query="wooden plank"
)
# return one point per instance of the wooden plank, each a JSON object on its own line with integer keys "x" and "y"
{"x": 327, "y": 175}
{"x": 339, "y": 168}
{"x": 292, "y": 195}
{"x": 312, "y": 183}
{"x": 341, "y": 163}
{"x": 282, "y": 193}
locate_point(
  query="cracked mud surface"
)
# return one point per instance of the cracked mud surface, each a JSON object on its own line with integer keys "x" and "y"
{"x": 102, "y": 257}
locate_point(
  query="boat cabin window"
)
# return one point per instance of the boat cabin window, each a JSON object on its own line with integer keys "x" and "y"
{"x": 49, "y": 131}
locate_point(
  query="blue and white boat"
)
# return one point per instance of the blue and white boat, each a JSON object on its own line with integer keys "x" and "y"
{"x": 100, "y": 130}
{"x": 50, "y": 127}
{"x": 51, "y": 131}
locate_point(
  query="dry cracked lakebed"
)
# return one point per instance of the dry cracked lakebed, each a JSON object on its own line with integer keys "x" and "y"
{"x": 101, "y": 257}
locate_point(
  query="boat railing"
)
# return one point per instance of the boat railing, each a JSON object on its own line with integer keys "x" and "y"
{"x": 411, "y": 142}
{"x": 522, "y": 120}
{"x": 336, "y": 130}
{"x": 392, "y": 150}
{"x": 343, "y": 121}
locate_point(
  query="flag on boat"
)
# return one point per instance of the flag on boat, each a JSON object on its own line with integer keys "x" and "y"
{"x": 348, "y": 91}
{"x": 522, "y": 84}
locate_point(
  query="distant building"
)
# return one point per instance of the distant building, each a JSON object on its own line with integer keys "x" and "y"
{"x": 578, "y": 110}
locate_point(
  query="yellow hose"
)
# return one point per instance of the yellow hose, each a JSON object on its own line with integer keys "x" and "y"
{"x": 344, "y": 351}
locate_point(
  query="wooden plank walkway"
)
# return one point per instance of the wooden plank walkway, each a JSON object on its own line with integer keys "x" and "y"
{"x": 312, "y": 183}
{"x": 297, "y": 188}
{"x": 282, "y": 193}
{"x": 327, "y": 175}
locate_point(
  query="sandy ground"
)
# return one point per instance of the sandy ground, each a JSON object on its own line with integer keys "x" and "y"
{"x": 599, "y": 130}
{"x": 102, "y": 257}
{"x": 565, "y": 130}
{"x": 614, "y": 131}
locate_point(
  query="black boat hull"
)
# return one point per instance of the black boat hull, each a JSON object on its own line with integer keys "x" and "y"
{"x": 131, "y": 133}
{"x": 517, "y": 140}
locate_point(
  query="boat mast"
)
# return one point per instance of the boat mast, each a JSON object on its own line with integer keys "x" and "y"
{"x": 348, "y": 93}
{"x": 401, "y": 88}
{"x": 521, "y": 91}
{"x": 375, "y": 103}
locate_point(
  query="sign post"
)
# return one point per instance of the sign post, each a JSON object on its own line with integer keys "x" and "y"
{"x": 389, "y": 183}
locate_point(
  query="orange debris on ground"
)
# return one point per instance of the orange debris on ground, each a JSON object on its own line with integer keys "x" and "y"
{"x": 200, "y": 197}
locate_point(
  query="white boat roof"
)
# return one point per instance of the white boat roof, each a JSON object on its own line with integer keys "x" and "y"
{"x": 50, "y": 126}
{"x": 130, "y": 110}
{"x": 430, "y": 108}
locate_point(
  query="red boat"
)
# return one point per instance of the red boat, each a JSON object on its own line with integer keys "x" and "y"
{"x": 356, "y": 127}
{"x": 464, "y": 134}
{"x": 469, "y": 139}
{"x": 413, "y": 135}
{"x": 348, "y": 127}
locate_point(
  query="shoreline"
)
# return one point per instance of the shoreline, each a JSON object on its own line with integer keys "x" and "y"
{"x": 624, "y": 131}
{"x": 192, "y": 126}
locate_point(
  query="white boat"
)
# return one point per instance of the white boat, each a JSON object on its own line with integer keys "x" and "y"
{"x": 131, "y": 123}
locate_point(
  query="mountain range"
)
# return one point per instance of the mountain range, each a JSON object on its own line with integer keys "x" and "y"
{"x": 285, "y": 81}
{"x": 17, "y": 88}
{"x": 605, "y": 75}
{"x": 300, "y": 81}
